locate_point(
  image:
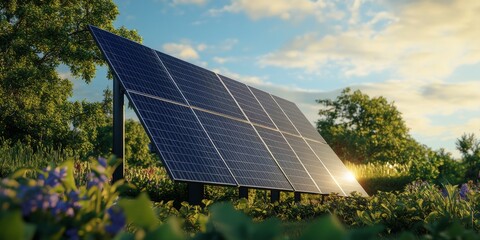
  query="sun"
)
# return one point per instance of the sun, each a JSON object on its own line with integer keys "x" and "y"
{"x": 349, "y": 176}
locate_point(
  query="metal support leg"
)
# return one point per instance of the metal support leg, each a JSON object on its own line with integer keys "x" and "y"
{"x": 298, "y": 197}
{"x": 195, "y": 193}
{"x": 118, "y": 129}
{"x": 274, "y": 196}
{"x": 243, "y": 192}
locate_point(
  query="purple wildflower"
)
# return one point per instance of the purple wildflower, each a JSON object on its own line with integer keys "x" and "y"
{"x": 102, "y": 161}
{"x": 96, "y": 179}
{"x": 464, "y": 191}
{"x": 54, "y": 176}
{"x": 74, "y": 199}
{"x": 117, "y": 220}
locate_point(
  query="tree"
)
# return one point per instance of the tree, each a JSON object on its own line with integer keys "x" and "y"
{"x": 469, "y": 147}
{"x": 36, "y": 37}
{"x": 93, "y": 127}
{"x": 363, "y": 129}
{"x": 438, "y": 166}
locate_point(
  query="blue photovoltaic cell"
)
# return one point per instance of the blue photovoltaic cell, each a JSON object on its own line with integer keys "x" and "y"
{"x": 184, "y": 147}
{"x": 313, "y": 165}
{"x": 201, "y": 87}
{"x": 299, "y": 120}
{"x": 288, "y": 161}
{"x": 336, "y": 168}
{"x": 244, "y": 153}
{"x": 274, "y": 111}
{"x": 136, "y": 66}
{"x": 247, "y": 102}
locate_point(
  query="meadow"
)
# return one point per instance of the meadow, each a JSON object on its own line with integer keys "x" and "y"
{"x": 52, "y": 194}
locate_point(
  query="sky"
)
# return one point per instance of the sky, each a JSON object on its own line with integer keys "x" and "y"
{"x": 423, "y": 55}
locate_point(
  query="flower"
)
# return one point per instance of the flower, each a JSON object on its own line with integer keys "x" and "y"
{"x": 464, "y": 191}
{"x": 96, "y": 179}
{"x": 117, "y": 220}
{"x": 54, "y": 176}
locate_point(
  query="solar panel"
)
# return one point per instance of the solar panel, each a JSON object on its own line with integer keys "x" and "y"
{"x": 298, "y": 119}
{"x": 341, "y": 174}
{"x": 201, "y": 87}
{"x": 185, "y": 148}
{"x": 274, "y": 111}
{"x": 136, "y": 66}
{"x": 247, "y": 102}
{"x": 317, "y": 171}
{"x": 209, "y": 128}
{"x": 288, "y": 161}
{"x": 244, "y": 153}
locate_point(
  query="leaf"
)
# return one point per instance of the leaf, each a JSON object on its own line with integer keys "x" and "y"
{"x": 139, "y": 211}
{"x": 13, "y": 227}
{"x": 170, "y": 230}
{"x": 69, "y": 179}
{"x": 231, "y": 224}
{"x": 268, "y": 229}
{"x": 327, "y": 227}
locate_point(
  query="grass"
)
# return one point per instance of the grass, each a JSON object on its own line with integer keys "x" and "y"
{"x": 16, "y": 156}
{"x": 154, "y": 179}
{"x": 376, "y": 177}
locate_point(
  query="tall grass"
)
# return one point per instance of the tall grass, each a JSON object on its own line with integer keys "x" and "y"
{"x": 376, "y": 177}
{"x": 376, "y": 170}
{"x": 18, "y": 155}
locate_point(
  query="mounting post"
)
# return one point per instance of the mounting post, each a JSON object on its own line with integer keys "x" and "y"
{"x": 118, "y": 147}
{"x": 243, "y": 192}
{"x": 274, "y": 196}
{"x": 297, "y": 197}
{"x": 195, "y": 193}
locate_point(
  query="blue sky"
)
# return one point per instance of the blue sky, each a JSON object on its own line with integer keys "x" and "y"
{"x": 423, "y": 55}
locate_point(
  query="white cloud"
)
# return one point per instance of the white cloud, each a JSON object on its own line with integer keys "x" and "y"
{"x": 283, "y": 9}
{"x": 196, "y": 2}
{"x": 201, "y": 47}
{"x": 423, "y": 40}
{"x": 355, "y": 11}
{"x": 420, "y": 105}
{"x": 221, "y": 60}
{"x": 181, "y": 50}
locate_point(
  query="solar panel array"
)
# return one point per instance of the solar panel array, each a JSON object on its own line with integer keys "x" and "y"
{"x": 212, "y": 129}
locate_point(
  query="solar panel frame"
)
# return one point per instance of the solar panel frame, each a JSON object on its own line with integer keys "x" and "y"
{"x": 284, "y": 117}
{"x": 195, "y": 140}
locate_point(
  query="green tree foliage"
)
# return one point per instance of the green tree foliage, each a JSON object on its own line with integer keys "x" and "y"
{"x": 364, "y": 129}
{"x": 36, "y": 37}
{"x": 469, "y": 147}
{"x": 438, "y": 166}
{"x": 93, "y": 127}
